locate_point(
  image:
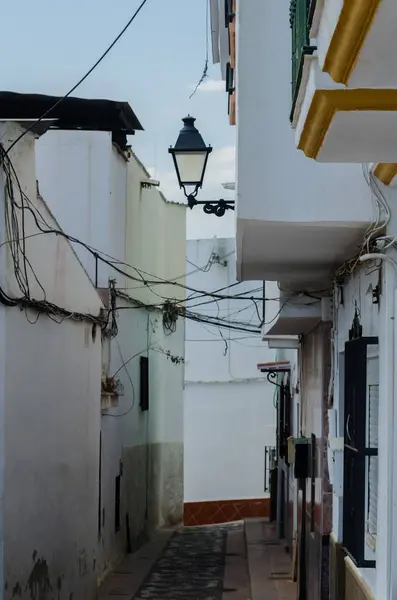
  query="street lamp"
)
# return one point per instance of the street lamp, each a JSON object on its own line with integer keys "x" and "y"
{"x": 190, "y": 155}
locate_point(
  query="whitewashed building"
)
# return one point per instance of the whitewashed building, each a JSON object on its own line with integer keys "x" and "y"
{"x": 229, "y": 413}
{"x": 315, "y": 212}
{"x": 96, "y": 441}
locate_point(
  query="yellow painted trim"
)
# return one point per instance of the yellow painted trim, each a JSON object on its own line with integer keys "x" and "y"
{"x": 326, "y": 103}
{"x": 386, "y": 172}
{"x": 361, "y": 583}
{"x": 354, "y": 23}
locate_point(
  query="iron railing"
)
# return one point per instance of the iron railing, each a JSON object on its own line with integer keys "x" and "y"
{"x": 270, "y": 464}
{"x": 357, "y": 450}
{"x": 300, "y": 16}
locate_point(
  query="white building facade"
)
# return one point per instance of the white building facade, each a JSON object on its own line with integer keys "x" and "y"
{"x": 126, "y": 219}
{"x": 315, "y": 212}
{"x": 229, "y": 413}
{"x": 92, "y": 401}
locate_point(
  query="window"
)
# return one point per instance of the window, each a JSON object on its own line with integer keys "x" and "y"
{"x": 312, "y": 483}
{"x": 229, "y": 78}
{"x": 144, "y": 383}
{"x": 371, "y": 500}
{"x": 283, "y": 420}
{"x": 117, "y": 514}
{"x": 299, "y": 19}
{"x": 100, "y": 488}
{"x": 360, "y": 473}
{"x": 229, "y": 12}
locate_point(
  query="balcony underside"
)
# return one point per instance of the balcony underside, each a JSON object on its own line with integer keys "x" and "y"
{"x": 356, "y": 42}
{"x": 302, "y": 254}
{"x": 297, "y": 315}
{"x": 334, "y": 124}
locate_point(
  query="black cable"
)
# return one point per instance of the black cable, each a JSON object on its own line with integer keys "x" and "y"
{"x": 223, "y": 325}
{"x": 33, "y": 210}
{"x": 88, "y": 73}
{"x": 147, "y": 283}
{"x": 205, "y": 70}
{"x": 124, "y": 365}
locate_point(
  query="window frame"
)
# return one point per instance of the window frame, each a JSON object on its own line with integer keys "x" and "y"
{"x": 356, "y": 450}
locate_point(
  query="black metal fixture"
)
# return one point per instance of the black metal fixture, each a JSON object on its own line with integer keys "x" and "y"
{"x": 190, "y": 155}
{"x": 272, "y": 375}
{"x": 356, "y": 330}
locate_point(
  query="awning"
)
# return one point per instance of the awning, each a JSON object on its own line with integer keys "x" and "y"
{"x": 281, "y": 366}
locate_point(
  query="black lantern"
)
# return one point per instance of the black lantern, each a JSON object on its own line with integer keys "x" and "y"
{"x": 190, "y": 155}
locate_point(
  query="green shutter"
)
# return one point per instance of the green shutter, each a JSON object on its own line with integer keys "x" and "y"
{"x": 299, "y": 22}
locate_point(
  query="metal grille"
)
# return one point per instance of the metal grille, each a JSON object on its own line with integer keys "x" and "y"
{"x": 372, "y": 464}
{"x": 270, "y": 464}
{"x": 299, "y": 22}
{"x": 360, "y": 459}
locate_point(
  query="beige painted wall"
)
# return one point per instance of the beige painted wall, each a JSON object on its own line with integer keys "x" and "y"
{"x": 155, "y": 236}
{"x": 156, "y": 243}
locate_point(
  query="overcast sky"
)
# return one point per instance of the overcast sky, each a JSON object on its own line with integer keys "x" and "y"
{"x": 47, "y": 45}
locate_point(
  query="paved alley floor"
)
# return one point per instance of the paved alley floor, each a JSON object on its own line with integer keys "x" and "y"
{"x": 226, "y": 562}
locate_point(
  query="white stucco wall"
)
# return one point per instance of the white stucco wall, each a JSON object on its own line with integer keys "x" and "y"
{"x": 229, "y": 413}
{"x": 98, "y": 195}
{"x": 376, "y": 320}
{"x": 52, "y": 418}
{"x": 292, "y": 214}
{"x": 156, "y": 244}
{"x": 83, "y": 179}
{"x": 227, "y": 427}
{"x": 266, "y": 152}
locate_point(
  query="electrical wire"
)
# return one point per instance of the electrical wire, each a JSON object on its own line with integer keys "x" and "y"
{"x": 17, "y": 245}
{"x": 205, "y": 70}
{"x": 379, "y": 224}
{"x": 124, "y": 365}
{"x": 87, "y": 74}
{"x": 50, "y": 309}
{"x": 98, "y": 254}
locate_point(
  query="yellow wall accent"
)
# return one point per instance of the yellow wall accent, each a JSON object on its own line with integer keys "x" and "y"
{"x": 355, "y": 21}
{"x": 326, "y": 103}
{"x": 356, "y": 587}
{"x": 386, "y": 172}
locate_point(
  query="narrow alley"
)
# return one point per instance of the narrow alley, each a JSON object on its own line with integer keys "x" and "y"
{"x": 237, "y": 561}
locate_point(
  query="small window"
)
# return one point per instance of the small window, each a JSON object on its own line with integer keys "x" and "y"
{"x": 144, "y": 383}
{"x": 371, "y": 522}
{"x": 313, "y": 483}
{"x": 117, "y": 519}
{"x": 100, "y": 488}
{"x": 229, "y": 13}
{"x": 229, "y": 78}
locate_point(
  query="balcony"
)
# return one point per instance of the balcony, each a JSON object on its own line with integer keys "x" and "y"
{"x": 356, "y": 42}
{"x": 294, "y": 223}
{"x": 344, "y": 80}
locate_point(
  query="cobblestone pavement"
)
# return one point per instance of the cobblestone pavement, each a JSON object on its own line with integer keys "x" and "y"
{"x": 191, "y": 567}
{"x": 223, "y": 562}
